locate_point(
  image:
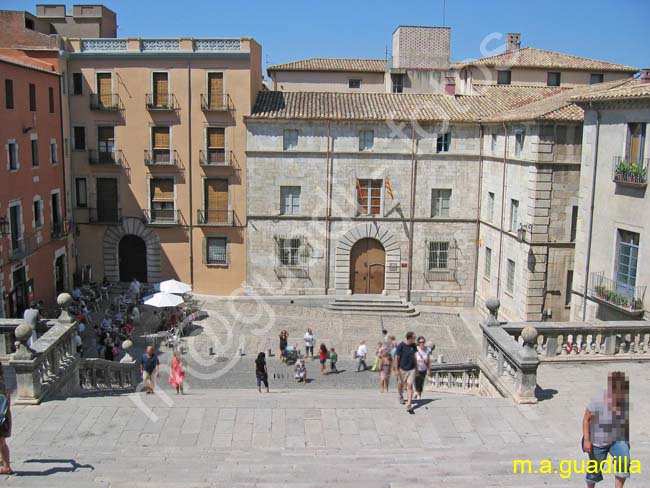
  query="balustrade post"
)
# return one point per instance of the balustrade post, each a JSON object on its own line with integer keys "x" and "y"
{"x": 610, "y": 343}
{"x": 526, "y": 377}
{"x": 551, "y": 346}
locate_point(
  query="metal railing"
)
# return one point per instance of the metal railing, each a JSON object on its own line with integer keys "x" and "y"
{"x": 162, "y": 217}
{"x": 217, "y": 157}
{"x": 162, "y": 102}
{"x": 623, "y": 297}
{"x": 215, "y": 217}
{"x": 160, "y": 157}
{"x": 219, "y": 103}
{"x": 108, "y": 101}
{"x": 23, "y": 246}
{"x": 104, "y": 215}
{"x": 99, "y": 157}
{"x": 633, "y": 174}
{"x": 60, "y": 229}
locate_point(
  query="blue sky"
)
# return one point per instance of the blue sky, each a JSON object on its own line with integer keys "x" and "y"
{"x": 611, "y": 30}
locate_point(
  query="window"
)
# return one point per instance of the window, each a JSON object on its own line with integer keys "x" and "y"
{"x": 77, "y": 84}
{"x": 493, "y": 143}
{"x": 105, "y": 90}
{"x": 490, "y": 206}
{"x": 35, "y": 163}
{"x": 289, "y": 200}
{"x": 161, "y": 151}
{"x": 29, "y": 24}
{"x": 16, "y": 226}
{"x": 216, "y": 98}
{"x": 510, "y": 276}
{"x": 369, "y": 196}
{"x": 216, "y": 250}
{"x": 397, "y": 80}
{"x": 354, "y": 83}
{"x": 443, "y": 142}
{"x": 504, "y": 77}
{"x": 160, "y": 89}
{"x": 627, "y": 257}
{"x": 162, "y": 200}
{"x": 9, "y": 94}
{"x": 440, "y": 203}
{"x": 290, "y": 139}
{"x": 50, "y": 93}
{"x": 519, "y": 142}
{"x": 553, "y": 78}
{"x": 81, "y": 192}
{"x": 514, "y": 215}
{"x": 635, "y": 142}
{"x": 289, "y": 252}
{"x": 574, "y": 223}
{"x": 216, "y": 201}
{"x": 32, "y": 97}
{"x": 79, "y": 134}
{"x": 487, "y": 270}
{"x": 569, "y": 287}
{"x": 216, "y": 140}
{"x": 596, "y": 78}
{"x": 438, "y": 255}
{"x": 12, "y": 156}
{"x": 54, "y": 152}
{"x": 106, "y": 144}
{"x": 366, "y": 140}
{"x": 38, "y": 213}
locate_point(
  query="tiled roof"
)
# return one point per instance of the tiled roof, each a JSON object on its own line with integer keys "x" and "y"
{"x": 333, "y": 64}
{"x": 19, "y": 58}
{"x": 630, "y": 90}
{"x": 399, "y": 107}
{"x": 530, "y": 57}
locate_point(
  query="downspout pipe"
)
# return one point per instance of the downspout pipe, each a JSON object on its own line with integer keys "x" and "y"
{"x": 503, "y": 204}
{"x": 327, "y": 208}
{"x": 591, "y": 217}
{"x": 189, "y": 143}
{"x": 479, "y": 199}
{"x": 414, "y": 168}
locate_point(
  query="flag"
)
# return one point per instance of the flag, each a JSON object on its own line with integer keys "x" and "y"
{"x": 389, "y": 189}
{"x": 359, "y": 191}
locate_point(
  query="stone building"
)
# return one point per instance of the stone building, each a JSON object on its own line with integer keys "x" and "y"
{"x": 611, "y": 260}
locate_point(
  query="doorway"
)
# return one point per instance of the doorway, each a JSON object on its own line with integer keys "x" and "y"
{"x": 59, "y": 275}
{"x": 367, "y": 266}
{"x": 132, "y": 253}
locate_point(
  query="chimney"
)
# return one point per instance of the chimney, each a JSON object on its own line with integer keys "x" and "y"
{"x": 450, "y": 85}
{"x": 513, "y": 41}
{"x": 645, "y": 75}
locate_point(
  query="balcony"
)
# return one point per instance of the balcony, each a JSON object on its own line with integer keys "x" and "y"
{"x": 629, "y": 174}
{"x": 104, "y": 215}
{"x": 161, "y": 157}
{"x": 23, "y": 246}
{"x": 162, "y": 217}
{"x": 218, "y": 218}
{"x": 220, "y": 103}
{"x": 161, "y": 103}
{"x": 109, "y": 102}
{"x": 60, "y": 229}
{"x": 217, "y": 158}
{"x": 624, "y": 298}
{"x": 105, "y": 158}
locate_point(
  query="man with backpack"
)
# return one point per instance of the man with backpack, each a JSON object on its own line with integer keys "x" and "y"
{"x": 404, "y": 367}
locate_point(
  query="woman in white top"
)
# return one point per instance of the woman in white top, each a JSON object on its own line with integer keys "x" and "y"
{"x": 423, "y": 363}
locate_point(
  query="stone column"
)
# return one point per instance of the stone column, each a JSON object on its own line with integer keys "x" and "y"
{"x": 526, "y": 378}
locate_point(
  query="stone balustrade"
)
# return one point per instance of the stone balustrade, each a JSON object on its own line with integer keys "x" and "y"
{"x": 456, "y": 378}
{"x": 579, "y": 341}
{"x": 99, "y": 375}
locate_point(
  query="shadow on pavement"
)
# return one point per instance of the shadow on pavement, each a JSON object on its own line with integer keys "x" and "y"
{"x": 74, "y": 466}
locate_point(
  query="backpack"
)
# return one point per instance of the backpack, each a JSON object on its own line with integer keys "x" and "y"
{"x": 4, "y": 408}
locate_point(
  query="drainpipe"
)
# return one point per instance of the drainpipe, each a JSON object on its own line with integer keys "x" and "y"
{"x": 64, "y": 200}
{"x": 414, "y": 168}
{"x": 327, "y": 209}
{"x": 189, "y": 143}
{"x": 591, "y": 217}
{"x": 481, "y": 134}
{"x": 503, "y": 204}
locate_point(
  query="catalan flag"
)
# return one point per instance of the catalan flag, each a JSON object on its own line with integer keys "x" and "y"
{"x": 359, "y": 191}
{"x": 389, "y": 189}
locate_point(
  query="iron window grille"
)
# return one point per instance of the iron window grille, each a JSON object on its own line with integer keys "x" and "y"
{"x": 441, "y": 260}
{"x": 291, "y": 257}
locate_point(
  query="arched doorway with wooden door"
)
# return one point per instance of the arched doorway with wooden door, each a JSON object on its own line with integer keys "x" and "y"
{"x": 132, "y": 255}
{"x": 367, "y": 267}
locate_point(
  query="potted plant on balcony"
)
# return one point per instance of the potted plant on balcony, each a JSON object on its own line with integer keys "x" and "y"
{"x": 637, "y": 304}
{"x": 601, "y": 291}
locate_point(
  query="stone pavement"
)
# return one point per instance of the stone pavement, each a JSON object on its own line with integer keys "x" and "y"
{"x": 314, "y": 438}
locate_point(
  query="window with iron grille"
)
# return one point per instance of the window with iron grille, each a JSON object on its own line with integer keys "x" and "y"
{"x": 366, "y": 140}
{"x": 216, "y": 250}
{"x": 289, "y": 252}
{"x": 440, "y": 260}
{"x": 290, "y": 139}
{"x": 369, "y": 196}
{"x": 440, "y": 202}
{"x": 510, "y": 276}
{"x": 443, "y": 142}
{"x": 292, "y": 257}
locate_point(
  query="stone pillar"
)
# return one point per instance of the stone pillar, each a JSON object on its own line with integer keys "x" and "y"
{"x": 28, "y": 385}
{"x": 526, "y": 378}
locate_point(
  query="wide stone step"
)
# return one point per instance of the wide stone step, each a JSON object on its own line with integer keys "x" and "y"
{"x": 373, "y": 305}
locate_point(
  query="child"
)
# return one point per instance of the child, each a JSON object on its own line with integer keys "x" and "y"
{"x": 333, "y": 358}
{"x": 301, "y": 372}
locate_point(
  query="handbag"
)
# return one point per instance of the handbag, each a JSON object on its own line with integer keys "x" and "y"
{"x": 4, "y": 408}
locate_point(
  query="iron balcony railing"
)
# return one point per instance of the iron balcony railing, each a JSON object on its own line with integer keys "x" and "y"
{"x": 100, "y": 157}
{"x": 160, "y": 157}
{"x": 217, "y": 157}
{"x": 632, "y": 174}
{"x": 162, "y": 217}
{"x": 60, "y": 229}
{"x": 218, "y": 103}
{"x": 104, "y": 215}
{"x": 23, "y": 246}
{"x": 216, "y": 217}
{"x": 161, "y": 102}
{"x": 106, "y": 101}
{"x": 619, "y": 295}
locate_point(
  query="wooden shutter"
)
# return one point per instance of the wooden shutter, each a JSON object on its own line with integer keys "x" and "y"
{"x": 160, "y": 137}
{"x": 162, "y": 190}
{"x": 216, "y": 137}
{"x": 215, "y": 90}
{"x": 216, "y": 194}
{"x": 160, "y": 89}
{"x": 104, "y": 87}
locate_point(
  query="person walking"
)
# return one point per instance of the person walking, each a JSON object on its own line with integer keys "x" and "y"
{"x": 606, "y": 430}
{"x": 284, "y": 340}
{"x": 334, "y": 357}
{"x": 423, "y": 364}
{"x": 384, "y": 370}
{"x": 261, "y": 372}
{"x": 135, "y": 288}
{"x": 362, "y": 352}
{"x": 301, "y": 372}
{"x": 404, "y": 367}
{"x": 150, "y": 369}
{"x": 309, "y": 343}
{"x": 5, "y": 425}
{"x": 177, "y": 374}
{"x": 322, "y": 355}
{"x": 379, "y": 351}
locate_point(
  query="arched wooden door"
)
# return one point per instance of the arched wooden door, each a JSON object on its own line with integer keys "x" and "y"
{"x": 367, "y": 266}
{"x": 133, "y": 258}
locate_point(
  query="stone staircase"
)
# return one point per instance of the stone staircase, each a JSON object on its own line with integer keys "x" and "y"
{"x": 373, "y": 305}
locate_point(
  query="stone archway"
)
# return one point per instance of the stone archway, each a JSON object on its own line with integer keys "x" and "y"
{"x": 112, "y": 237}
{"x": 344, "y": 246}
